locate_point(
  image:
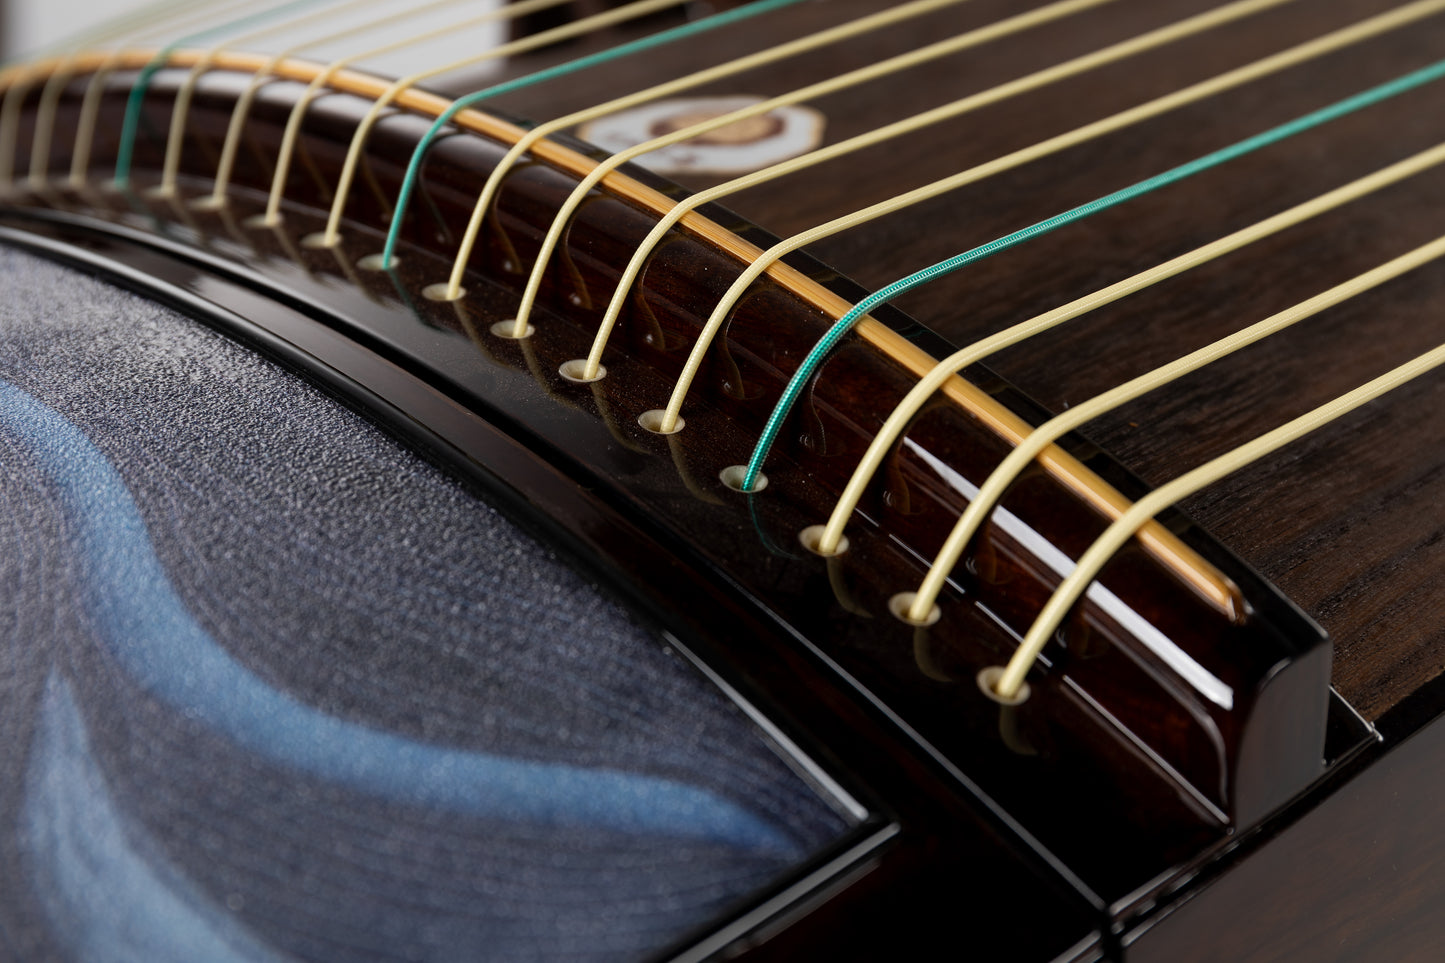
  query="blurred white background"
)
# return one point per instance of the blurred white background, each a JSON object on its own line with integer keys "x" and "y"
{"x": 29, "y": 26}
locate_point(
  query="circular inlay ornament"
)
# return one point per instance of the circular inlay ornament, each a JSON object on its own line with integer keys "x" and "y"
{"x": 742, "y": 146}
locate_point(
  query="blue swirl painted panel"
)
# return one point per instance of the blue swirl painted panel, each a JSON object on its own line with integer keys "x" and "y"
{"x": 275, "y": 688}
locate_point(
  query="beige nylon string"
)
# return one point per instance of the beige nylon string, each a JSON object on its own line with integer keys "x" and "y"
{"x": 144, "y": 24}
{"x": 589, "y": 370}
{"x": 1117, "y": 534}
{"x": 186, "y": 91}
{"x": 18, "y": 78}
{"x": 667, "y": 421}
{"x": 236, "y": 128}
{"x": 272, "y": 217}
{"x": 95, "y": 88}
{"x": 921, "y": 607}
{"x": 831, "y": 86}
{"x": 853, "y": 28}
{"x": 15, "y": 94}
{"x": 830, "y": 542}
{"x": 618, "y": 15}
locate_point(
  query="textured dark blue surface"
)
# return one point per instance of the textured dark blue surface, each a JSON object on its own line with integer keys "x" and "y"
{"x": 272, "y": 687}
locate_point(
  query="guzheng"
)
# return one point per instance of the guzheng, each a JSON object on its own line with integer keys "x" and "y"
{"x": 787, "y": 479}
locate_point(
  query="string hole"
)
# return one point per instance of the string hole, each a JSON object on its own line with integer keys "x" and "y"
{"x": 576, "y": 370}
{"x": 902, "y": 603}
{"x": 812, "y": 539}
{"x": 441, "y": 292}
{"x": 655, "y": 418}
{"x": 733, "y": 477}
{"x": 377, "y": 262}
{"x": 209, "y": 202}
{"x": 259, "y": 221}
{"x": 508, "y": 329}
{"x": 319, "y": 241}
{"x": 988, "y": 680}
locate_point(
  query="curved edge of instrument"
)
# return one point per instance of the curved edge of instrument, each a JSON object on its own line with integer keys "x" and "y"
{"x": 890, "y": 882}
{"x": 1186, "y": 721}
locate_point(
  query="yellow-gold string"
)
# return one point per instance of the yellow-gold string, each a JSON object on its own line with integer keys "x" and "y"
{"x": 180, "y": 110}
{"x": 589, "y": 369}
{"x": 831, "y": 539}
{"x": 95, "y": 88}
{"x": 272, "y": 217}
{"x": 667, "y": 421}
{"x": 921, "y": 603}
{"x": 234, "y": 130}
{"x": 752, "y": 61}
{"x": 1116, "y": 535}
{"x": 145, "y": 24}
{"x": 632, "y": 11}
{"x": 823, "y": 88}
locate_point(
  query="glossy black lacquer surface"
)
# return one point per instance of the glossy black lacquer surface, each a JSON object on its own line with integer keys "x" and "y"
{"x": 894, "y": 711}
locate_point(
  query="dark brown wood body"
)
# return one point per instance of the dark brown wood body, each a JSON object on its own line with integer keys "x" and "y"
{"x": 1361, "y": 876}
{"x": 1116, "y": 701}
{"x": 1129, "y": 903}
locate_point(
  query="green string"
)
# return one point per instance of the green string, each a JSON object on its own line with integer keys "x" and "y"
{"x": 826, "y": 344}
{"x": 131, "y": 124}
{"x": 413, "y": 170}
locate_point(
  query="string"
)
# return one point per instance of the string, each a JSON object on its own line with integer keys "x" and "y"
{"x": 130, "y": 125}
{"x": 413, "y": 170}
{"x": 139, "y": 24}
{"x": 171, "y": 165}
{"x": 830, "y": 542}
{"x": 90, "y": 102}
{"x": 589, "y": 369}
{"x": 234, "y": 130}
{"x": 1118, "y": 533}
{"x": 144, "y": 20}
{"x": 921, "y": 607}
{"x": 668, "y": 419}
{"x": 272, "y": 217}
{"x": 1207, "y": 162}
{"x": 10, "y": 119}
{"x": 815, "y": 41}
{"x": 641, "y": 8}
{"x": 831, "y": 86}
